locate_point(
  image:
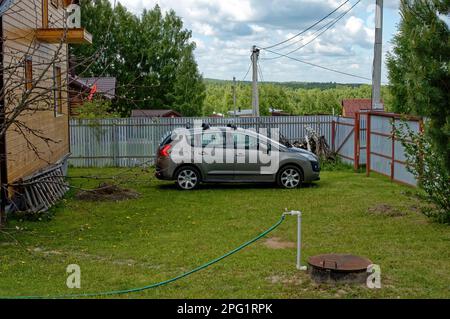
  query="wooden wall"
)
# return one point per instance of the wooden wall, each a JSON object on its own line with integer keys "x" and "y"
{"x": 19, "y": 25}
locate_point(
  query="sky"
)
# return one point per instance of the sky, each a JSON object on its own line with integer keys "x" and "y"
{"x": 224, "y": 32}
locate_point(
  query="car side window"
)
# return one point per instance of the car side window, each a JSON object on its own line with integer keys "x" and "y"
{"x": 251, "y": 142}
{"x": 239, "y": 141}
{"x": 214, "y": 139}
{"x": 245, "y": 141}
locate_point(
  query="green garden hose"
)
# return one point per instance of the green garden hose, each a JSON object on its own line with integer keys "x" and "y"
{"x": 162, "y": 283}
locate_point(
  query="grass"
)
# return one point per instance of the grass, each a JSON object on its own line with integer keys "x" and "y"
{"x": 166, "y": 232}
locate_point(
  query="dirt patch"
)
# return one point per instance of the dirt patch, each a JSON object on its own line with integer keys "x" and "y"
{"x": 285, "y": 280}
{"x": 277, "y": 243}
{"x": 107, "y": 192}
{"x": 386, "y": 210}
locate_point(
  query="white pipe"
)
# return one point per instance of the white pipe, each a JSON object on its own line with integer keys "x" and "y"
{"x": 299, "y": 238}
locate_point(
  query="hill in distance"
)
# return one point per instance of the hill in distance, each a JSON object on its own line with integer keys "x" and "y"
{"x": 293, "y": 85}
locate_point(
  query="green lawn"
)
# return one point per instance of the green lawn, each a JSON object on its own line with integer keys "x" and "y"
{"x": 166, "y": 232}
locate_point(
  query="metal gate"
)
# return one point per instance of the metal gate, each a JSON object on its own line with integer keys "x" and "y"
{"x": 344, "y": 138}
{"x": 349, "y": 139}
{"x": 385, "y": 153}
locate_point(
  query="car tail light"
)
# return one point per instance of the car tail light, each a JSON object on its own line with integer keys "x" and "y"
{"x": 164, "y": 151}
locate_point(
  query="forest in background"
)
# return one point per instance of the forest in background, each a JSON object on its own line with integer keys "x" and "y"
{"x": 295, "y": 98}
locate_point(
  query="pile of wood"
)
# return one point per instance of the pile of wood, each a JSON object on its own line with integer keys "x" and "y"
{"x": 316, "y": 144}
{"x": 38, "y": 193}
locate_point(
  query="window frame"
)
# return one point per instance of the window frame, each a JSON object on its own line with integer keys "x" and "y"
{"x": 28, "y": 73}
{"x": 45, "y": 14}
{"x": 57, "y": 92}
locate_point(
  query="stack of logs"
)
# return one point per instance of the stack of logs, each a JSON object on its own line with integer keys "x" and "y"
{"x": 312, "y": 142}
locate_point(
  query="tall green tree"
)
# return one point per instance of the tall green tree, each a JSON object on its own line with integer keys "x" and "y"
{"x": 152, "y": 57}
{"x": 419, "y": 67}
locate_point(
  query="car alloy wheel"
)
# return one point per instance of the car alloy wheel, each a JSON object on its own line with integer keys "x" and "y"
{"x": 290, "y": 177}
{"x": 187, "y": 179}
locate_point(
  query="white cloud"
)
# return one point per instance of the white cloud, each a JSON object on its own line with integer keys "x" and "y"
{"x": 225, "y": 30}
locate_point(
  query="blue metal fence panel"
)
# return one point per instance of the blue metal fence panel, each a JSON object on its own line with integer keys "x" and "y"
{"x": 345, "y": 139}
{"x": 388, "y": 155}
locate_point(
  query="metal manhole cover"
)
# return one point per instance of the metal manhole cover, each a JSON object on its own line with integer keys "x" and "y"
{"x": 339, "y": 262}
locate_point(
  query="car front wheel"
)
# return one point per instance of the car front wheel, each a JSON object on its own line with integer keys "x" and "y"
{"x": 290, "y": 177}
{"x": 187, "y": 178}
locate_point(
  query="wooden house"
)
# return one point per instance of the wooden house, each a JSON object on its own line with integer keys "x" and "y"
{"x": 352, "y": 106}
{"x": 155, "y": 113}
{"x": 83, "y": 89}
{"x": 35, "y": 35}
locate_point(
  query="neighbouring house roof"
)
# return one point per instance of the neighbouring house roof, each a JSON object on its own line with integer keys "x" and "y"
{"x": 76, "y": 82}
{"x": 277, "y": 112}
{"x": 249, "y": 112}
{"x": 105, "y": 85}
{"x": 155, "y": 113}
{"x": 241, "y": 113}
{"x": 216, "y": 115}
{"x": 351, "y": 106}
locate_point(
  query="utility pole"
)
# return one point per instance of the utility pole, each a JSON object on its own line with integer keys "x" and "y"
{"x": 255, "y": 94}
{"x": 234, "y": 95}
{"x": 376, "y": 77}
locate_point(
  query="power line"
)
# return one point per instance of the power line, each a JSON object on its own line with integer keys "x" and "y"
{"x": 260, "y": 72}
{"x": 328, "y": 26}
{"x": 308, "y": 28}
{"x": 318, "y": 66}
{"x": 248, "y": 71}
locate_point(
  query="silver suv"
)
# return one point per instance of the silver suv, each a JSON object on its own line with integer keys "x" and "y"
{"x": 224, "y": 154}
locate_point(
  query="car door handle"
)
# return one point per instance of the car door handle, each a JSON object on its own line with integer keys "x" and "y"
{"x": 240, "y": 154}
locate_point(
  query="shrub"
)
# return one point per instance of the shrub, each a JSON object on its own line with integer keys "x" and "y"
{"x": 428, "y": 165}
{"x": 96, "y": 109}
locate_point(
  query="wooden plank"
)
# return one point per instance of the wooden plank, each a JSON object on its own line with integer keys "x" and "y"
{"x": 76, "y": 36}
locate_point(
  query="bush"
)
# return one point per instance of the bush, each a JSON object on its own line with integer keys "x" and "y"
{"x": 96, "y": 109}
{"x": 428, "y": 165}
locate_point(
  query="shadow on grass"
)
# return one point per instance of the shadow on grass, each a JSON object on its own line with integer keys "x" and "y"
{"x": 234, "y": 186}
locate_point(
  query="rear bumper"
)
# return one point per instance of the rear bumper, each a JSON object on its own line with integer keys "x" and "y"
{"x": 162, "y": 174}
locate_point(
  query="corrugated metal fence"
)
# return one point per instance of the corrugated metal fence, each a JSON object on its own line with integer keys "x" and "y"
{"x": 386, "y": 153}
{"x": 349, "y": 139}
{"x": 132, "y": 141}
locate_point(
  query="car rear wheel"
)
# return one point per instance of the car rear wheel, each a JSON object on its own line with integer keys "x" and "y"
{"x": 290, "y": 177}
{"x": 187, "y": 178}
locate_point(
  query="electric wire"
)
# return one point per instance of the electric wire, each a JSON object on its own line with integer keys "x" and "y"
{"x": 327, "y": 27}
{"x": 308, "y": 28}
{"x": 319, "y": 66}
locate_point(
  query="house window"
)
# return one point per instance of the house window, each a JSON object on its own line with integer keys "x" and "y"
{"x": 28, "y": 73}
{"x": 45, "y": 14}
{"x": 58, "y": 91}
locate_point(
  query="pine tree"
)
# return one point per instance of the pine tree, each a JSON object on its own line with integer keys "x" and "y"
{"x": 419, "y": 67}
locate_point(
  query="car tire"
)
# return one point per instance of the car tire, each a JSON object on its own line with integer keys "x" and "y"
{"x": 290, "y": 177}
{"x": 187, "y": 178}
